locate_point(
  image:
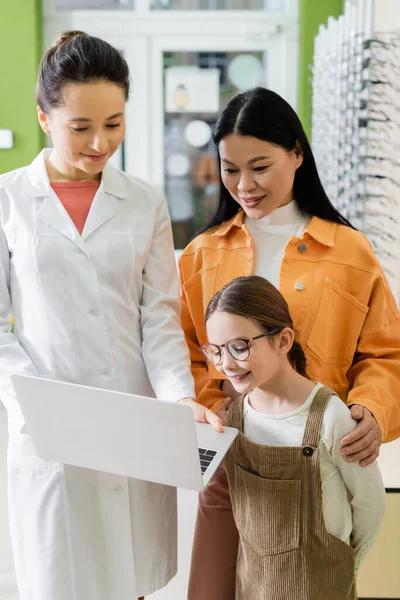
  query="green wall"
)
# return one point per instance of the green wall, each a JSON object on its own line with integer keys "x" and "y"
{"x": 313, "y": 13}
{"x": 20, "y": 51}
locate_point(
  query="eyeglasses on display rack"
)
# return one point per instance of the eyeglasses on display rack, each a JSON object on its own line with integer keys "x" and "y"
{"x": 356, "y": 127}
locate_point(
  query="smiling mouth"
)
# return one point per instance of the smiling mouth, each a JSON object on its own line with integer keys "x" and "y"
{"x": 96, "y": 156}
{"x": 252, "y": 201}
{"x": 238, "y": 378}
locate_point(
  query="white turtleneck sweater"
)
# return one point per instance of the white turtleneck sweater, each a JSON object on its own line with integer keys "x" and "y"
{"x": 270, "y": 236}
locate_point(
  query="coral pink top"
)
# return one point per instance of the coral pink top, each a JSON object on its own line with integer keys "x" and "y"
{"x": 77, "y": 198}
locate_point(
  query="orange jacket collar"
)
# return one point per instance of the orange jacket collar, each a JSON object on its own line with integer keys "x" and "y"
{"x": 320, "y": 230}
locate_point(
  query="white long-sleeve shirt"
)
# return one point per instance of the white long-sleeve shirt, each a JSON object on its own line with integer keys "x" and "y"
{"x": 353, "y": 497}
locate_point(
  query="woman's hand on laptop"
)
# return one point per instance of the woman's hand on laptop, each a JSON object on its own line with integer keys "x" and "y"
{"x": 203, "y": 414}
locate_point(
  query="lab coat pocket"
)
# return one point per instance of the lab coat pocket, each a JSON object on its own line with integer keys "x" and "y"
{"x": 337, "y": 326}
{"x": 267, "y": 512}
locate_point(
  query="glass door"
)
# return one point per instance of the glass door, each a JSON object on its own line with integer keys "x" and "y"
{"x": 192, "y": 81}
{"x": 196, "y": 86}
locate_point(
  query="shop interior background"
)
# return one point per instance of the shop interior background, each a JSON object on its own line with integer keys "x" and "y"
{"x": 176, "y": 49}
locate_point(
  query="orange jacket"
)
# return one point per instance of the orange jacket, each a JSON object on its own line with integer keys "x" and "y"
{"x": 343, "y": 311}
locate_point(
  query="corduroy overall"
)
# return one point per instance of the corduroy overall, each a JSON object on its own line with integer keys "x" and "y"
{"x": 285, "y": 552}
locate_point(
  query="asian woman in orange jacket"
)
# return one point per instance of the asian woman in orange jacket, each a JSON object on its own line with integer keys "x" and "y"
{"x": 275, "y": 220}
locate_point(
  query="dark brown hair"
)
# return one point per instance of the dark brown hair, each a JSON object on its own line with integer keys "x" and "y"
{"x": 77, "y": 57}
{"x": 257, "y": 299}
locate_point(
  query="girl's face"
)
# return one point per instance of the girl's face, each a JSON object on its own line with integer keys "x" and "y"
{"x": 258, "y": 174}
{"x": 87, "y": 129}
{"x": 267, "y": 358}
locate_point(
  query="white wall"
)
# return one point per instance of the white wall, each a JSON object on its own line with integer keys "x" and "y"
{"x": 386, "y": 15}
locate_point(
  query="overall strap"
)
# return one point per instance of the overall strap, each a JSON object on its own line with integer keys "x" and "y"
{"x": 235, "y": 413}
{"x": 313, "y": 428}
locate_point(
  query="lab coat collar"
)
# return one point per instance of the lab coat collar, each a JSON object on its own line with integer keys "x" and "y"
{"x": 37, "y": 181}
{"x": 53, "y": 212}
{"x": 113, "y": 182}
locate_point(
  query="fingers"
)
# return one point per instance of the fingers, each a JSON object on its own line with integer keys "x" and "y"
{"x": 197, "y": 409}
{"x": 213, "y": 419}
{"x": 366, "y": 423}
{"x": 357, "y": 412}
{"x": 223, "y": 415}
{"x": 358, "y": 433}
{"x": 361, "y": 444}
{"x": 371, "y": 458}
{"x": 223, "y": 411}
{"x": 227, "y": 402}
{"x": 366, "y": 456}
{"x": 203, "y": 415}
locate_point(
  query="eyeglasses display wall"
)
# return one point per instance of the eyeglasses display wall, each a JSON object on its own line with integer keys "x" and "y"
{"x": 356, "y": 126}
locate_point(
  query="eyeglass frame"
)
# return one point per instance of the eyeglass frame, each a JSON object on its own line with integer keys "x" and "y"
{"x": 220, "y": 346}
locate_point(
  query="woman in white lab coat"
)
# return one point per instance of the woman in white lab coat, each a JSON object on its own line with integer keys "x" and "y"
{"x": 87, "y": 269}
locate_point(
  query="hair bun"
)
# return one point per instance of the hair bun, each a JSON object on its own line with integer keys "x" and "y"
{"x": 67, "y": 36}
{"x": 77, "y": 57}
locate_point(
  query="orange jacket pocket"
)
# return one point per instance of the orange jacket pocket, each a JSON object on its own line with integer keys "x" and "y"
{"x": 337, "y": 326}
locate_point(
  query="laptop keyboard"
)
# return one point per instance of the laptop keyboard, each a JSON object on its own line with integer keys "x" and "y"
{"x": 206, "y": 457}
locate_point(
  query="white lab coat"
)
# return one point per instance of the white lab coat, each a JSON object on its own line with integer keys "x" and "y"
{"x": 100, "y": 309}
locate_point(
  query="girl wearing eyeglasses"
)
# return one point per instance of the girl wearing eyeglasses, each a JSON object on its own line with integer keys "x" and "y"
{"x": 306, "y": 517}
{"x": 275, "y": 220}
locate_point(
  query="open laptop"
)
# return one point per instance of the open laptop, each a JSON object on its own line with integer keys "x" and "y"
{"x": 120, "y": 433}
